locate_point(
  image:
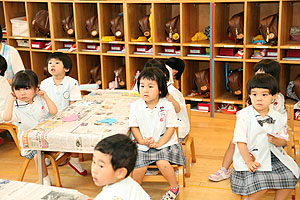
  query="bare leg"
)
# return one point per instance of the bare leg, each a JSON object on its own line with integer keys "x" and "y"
{"x": 45, "y": 171}
{"x": 167, "y": 171}
{"x": 227, "y": 160}
{"x": 257, "y": 195}
{"x": 139, "y": 173}
{"x": 282, "y": 194}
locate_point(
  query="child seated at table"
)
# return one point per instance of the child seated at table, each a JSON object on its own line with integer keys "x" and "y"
{"x": 5, "y": 89}
{"x": 113, "y": 160}
{"x": 63, "y": 91}
{"x": 28, "y": 106}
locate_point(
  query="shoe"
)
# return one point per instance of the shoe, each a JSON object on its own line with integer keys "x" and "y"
{"x": 169, "y": 195}
{"x": 152, "y": 172}
{"x": 220, "y": 175}
{"x": 83, "y": 173}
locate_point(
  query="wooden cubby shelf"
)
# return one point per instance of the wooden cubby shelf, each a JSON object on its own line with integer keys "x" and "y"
{"x": 195, "y": 16}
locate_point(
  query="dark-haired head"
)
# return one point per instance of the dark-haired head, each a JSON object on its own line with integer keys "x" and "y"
{"x": 159, "y": 64}
{"x": 64, "y": 58}
{"x": 24, "y": 79}
{"x": 154, "y": 74}
{"x": 268, "y": 66}
{"x": 3, "y": 65}
{"x": 176, "y": 63}
{"x": 122, "y": 149}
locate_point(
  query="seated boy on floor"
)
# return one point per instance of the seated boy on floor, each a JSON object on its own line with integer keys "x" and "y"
{"x": 113, "y": 160}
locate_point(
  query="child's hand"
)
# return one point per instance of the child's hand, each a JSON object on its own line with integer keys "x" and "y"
{"x": 252, "y": 166}
{"x": 13, "y": 96}
{"x": 169, "y": 97}
{"x": 42, "y": 94}
{"x": 272, "y": 139}
{"x": 148, "y": 141}
{"x": 154, "y": 145}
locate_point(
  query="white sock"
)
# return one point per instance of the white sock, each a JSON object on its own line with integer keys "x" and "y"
{"x": 75, "y": 162}
{"x": 47, "y": 180}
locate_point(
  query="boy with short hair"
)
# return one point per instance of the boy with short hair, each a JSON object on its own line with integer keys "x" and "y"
{"x": 113, "y": 160}
{"x": 63, "y": 91}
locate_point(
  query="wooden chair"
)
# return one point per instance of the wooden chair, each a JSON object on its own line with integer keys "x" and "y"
{"x": 13, "y": 130}
{"x": 188, "y": 146}
{"x": 160, "y": 178}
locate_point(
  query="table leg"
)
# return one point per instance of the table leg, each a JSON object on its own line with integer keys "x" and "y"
{"x": 40, "y": 167}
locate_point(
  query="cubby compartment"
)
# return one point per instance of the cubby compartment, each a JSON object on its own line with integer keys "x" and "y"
{"x": 194, "y": 51}
{"x": 16, "y": 9}
{"x": 256, "y": 11}
{"x": 88, "y": 47}
{"x": 20, "y": 44}
{"x": 65, "y": 46}
{"x": 25, "y": 55}
{"x": 229, "y": 53}
{"x": 163, "y": 13}
{"x": 135, "y": 65}
{"x": 195, "y": 18}
{"x": 226, "y": 110}
{"x": 290, "y": 54}
{"x": 222, "y": 14}
{"x": 188, "y": 80}
{"x": 108, "y": 65}
{"x": 85, "y": 64}
{"x": 135, "y": 13}
{"x": 114, "y": 48}
{"x": 34, "y": 8}
{"x": 40, "y": 44}
{"x": 222, "y": 93}
{"x": 171, "y": 50}
{"x": 87, "y": 12}
{"x": 261, "y": 53}
{"x": 290, "y": 17}
{"x": 60, "y": 12}
{"x": 108, "y": 12}
{"x": 141, "y": 50}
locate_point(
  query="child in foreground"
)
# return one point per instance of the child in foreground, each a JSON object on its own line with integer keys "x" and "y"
{"x": 113, "y": 160}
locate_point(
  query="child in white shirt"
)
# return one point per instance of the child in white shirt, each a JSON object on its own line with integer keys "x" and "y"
{"x": 259, "y": 161}
{"x": 264, "y": 66}
{"x": 153, "y": 120}
{"x": 63, "y": 91}
{"x": 113, "y": 160}
{"x": 28, "y": 106}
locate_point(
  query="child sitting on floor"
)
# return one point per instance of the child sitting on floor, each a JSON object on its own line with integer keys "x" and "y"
{"x": 113, "y": 160}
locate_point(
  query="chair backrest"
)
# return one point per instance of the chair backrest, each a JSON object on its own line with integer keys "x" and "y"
{"x": 13, "y": 130}
{"x": 188, "y": 109}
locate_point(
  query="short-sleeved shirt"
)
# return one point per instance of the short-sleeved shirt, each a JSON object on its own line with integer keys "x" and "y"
{"x": 126, "y": 189}
{"x": 13, "y": 59}
{"x": 4, "y": 95}
{"x": 68, "y": 90}
{"x": 153, "y": 123}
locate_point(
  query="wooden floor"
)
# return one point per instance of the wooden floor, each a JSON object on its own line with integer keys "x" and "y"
{"x": 211, "y": 140}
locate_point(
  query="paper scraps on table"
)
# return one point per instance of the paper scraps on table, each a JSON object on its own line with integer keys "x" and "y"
{"x": 70, "y": 118}
{"x": 109, "y": 121}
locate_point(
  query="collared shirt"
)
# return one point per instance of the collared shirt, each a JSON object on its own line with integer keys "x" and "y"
{"x": 126, "y": 189}
{"x": 153, "y": 123}
{"x": 249, "y": 131}
{"x": 5, "y": 94}
{"x": 13, "y": 59}
{"x": 68, "y": 90}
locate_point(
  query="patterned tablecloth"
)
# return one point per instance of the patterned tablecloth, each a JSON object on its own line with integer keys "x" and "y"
{"x": 79, "y": 127}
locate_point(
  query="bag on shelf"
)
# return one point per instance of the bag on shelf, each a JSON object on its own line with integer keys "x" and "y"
{"x": 236, "y": 27}
{"x": 40, "y": 23}
{"x": 202, "y": 81}
{"x": 235, "y": 82}
{"x": 117, "y": 26}
{"x": 96, "y": 75}
{"x": 295, "y": 33}
{"x": 120, "y": 79}
{"x": 92, "y": 26}
{"x": 293, "y": 89}
{"x": 144, "y": 25}
{"x": 173, "y": 29}
{"x": 68, "y": 26}
{"x": 268, "y": 28}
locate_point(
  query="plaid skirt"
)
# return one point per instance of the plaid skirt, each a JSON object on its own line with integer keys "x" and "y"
{"x": 246, "y": 183}
{"x": 173, "y": 154}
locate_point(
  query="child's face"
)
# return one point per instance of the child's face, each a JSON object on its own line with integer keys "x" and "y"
{"x": 149, "y": 90}
{"x": 25, "y": 94}
{"x": 56, "y": 67}
{"x": 102, "y": 170}
{"x": 261, "y": 99}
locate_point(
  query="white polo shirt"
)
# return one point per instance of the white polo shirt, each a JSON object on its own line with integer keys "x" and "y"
{"x": 153, "y": 123}
{"x": 182, "y": 116}
{"x": 13, "y": 59}
{"x": 68, "y": 90}
{"x": 126, "y": 189}
{"x": 4, "y": 95}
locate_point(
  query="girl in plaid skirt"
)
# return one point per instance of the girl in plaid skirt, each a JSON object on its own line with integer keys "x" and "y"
{"x": 153, "y": 120}
{"x": 259, "y": 161}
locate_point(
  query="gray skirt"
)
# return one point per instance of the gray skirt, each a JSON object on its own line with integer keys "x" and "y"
{"x": 246, "y": 183}
{"x": 173, "y": 154}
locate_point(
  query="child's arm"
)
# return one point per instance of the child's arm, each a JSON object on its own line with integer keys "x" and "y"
{"x": 174, "y": 102}
{"x": 8, "y": 111}
{"x": 51, "y": 106}
{"x": 252, "y": 166}
{"x": 278, "y": 142}
{"x": 138, "y": 136}
{"x": 164, "y": 139}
